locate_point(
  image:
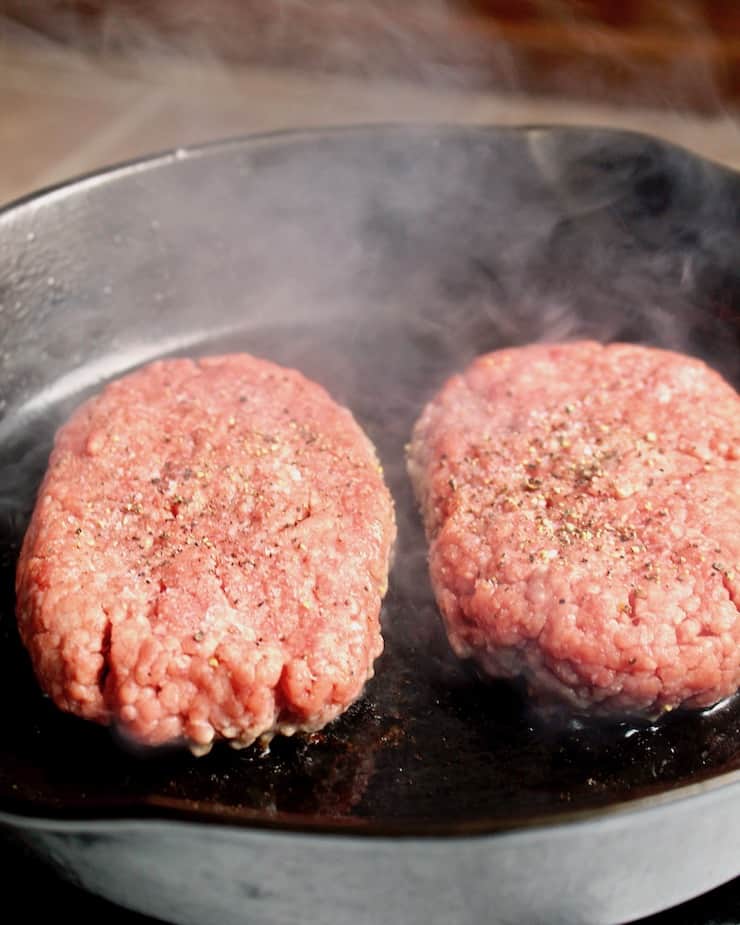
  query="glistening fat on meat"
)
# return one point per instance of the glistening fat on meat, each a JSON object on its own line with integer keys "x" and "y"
{"x": 207, "y": 556}
{"x": 581, "y": 504}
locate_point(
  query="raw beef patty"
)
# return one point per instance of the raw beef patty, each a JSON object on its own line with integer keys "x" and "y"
{"x": 207, "y": 556}
{"x": 581, "y": 503}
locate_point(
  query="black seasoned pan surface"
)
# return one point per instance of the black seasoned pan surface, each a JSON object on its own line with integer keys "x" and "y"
{"x": 377, "y": 261}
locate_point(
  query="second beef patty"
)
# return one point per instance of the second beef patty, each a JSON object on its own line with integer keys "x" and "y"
{"x": 581, "y": 504}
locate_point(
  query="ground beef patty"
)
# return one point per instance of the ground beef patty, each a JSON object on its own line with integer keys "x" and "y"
{"x": 207, "y": 556}
{"x": 581, "y": 504}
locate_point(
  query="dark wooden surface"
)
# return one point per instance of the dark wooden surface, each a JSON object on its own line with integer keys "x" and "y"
{"x": 683, "y": 54}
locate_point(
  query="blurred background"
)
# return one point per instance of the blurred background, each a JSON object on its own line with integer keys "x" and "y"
{"x": 85, "y": 83}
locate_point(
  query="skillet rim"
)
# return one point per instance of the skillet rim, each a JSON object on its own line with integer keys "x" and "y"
{"x": 167, "y": 156}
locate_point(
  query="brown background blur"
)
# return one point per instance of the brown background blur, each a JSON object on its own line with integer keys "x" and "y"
{"x": 629, "y": 49}
{"x": 88, "y": 82}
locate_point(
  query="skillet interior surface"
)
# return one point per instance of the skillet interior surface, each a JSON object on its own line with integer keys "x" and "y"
{"x": 377, "y": 261}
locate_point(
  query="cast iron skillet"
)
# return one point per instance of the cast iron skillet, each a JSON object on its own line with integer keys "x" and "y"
{"x": 376, "y": 260}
